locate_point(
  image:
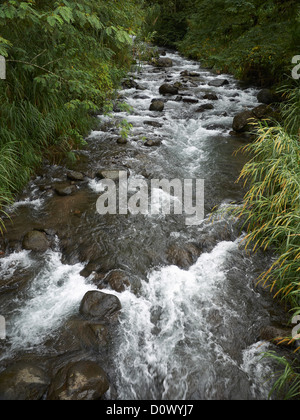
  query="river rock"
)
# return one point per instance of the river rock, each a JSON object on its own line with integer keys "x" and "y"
{"x": 122, "y": 140}
{"x": 23, "y": 382}
{"x": 186, "y": 73}
{"x": 204, "y": 108}
{"x": 162, "y": 62}
{"x": 157, "y": 105}
{"x": 65, "y": 190}
{"x": 167, "y": 89}
{"x": 79, "y": 381}
{"x": 183, "y": 256}
{"x": 211, "y": 97}
{"x": 267, "y": 96}
{"x": 36, "y": 241}
{"x": 155, "y": 124}
{"x": 117, "y": 280}
{"x": 274, "y": 334}
{"x": 129, "y": 84}
{"x": 98, "y": 305}
{"x": 218, "y": 82}
{"x": 190, "y": 100}
{"x": 263, "y": 111}
{"x": 152, "y": 142}
{"x": 78, "y": 335}
{"x": 75, "y": 176}
{"x": 241, "y": 122}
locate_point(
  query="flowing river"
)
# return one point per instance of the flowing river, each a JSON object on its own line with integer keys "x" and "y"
{"x": 191, "y": 313}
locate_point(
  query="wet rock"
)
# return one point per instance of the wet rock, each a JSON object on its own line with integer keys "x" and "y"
{"x": 23, "y": 382}
{"x": 267, "y": 96}
{"x": 263, "y": 111}
{"x": 218, "y": 82}
{"x": 241, "y": 122}
{"x": 162, "y": 62}
{"x": 274, "y": 334}
{"x": 75, "y": 176}
{"x": 167, "y": 89}
{"x": 98, "y": 305}
{"x": 155, "y": 124}
{"x": 204, "y": 108}
{"x": 183, "y": 256}
{"x": 157, "y": 105}
{"x": 65, "y": 190}
{"x": 122, "y": 140}
{"x": 189, "y": 100}
{"x": 36, "y": 241}
{"x": 211, "y": 97}
{"x": 152, "y": 142}
{"x": 80, "y": 335}
{"x": 178, "y": 85}
{"x": 117, "y": 280}
{"x": 130, "y": 84}
{"x": 141, "y": 97}
{"x": 79, "y": 381}
{"x": 187, "y": 73}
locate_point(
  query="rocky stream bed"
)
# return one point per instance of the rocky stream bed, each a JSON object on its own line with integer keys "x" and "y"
{"x": 140, "y": 306}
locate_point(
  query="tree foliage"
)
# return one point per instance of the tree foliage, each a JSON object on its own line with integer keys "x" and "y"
{"x": 255, "y": 40}
{"x": 64, "y": 59}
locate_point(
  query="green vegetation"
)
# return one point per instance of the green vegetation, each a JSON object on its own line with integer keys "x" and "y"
{"x": 64, "y": 60}
{"x": 272, "y": 212}
{"x": 254, "y": 40}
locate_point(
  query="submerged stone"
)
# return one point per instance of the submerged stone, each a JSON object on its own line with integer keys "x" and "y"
{"x": 36, "y": 241}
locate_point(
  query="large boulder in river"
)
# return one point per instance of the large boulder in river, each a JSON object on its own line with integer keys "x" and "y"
{"x": 167, "y": 89}
{"x": 79, "y": 381}
{"x": 267, "y": 96}
{"x": 263, "y": 111}
{"x": 157, "y": 106}
{"x": 36, "y": 241}
{"x": 23, "y": 382}
{"x": 241, "y": 122}
{"x": 100, "y": 306}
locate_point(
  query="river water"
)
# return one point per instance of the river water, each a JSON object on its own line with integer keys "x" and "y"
{"x": 190, "y": 321}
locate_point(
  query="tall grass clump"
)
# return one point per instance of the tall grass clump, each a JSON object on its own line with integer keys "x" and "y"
{"x": 271, "y": 210}
{"x": 64, "y": 61}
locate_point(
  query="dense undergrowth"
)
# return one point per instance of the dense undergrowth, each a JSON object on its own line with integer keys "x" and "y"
{"x": 255, "y": 40}
{"x": 64, "y": 60}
